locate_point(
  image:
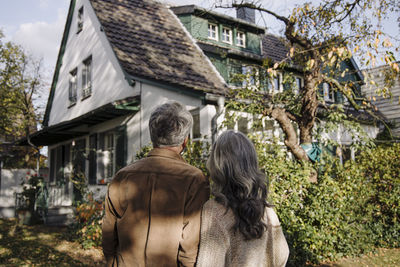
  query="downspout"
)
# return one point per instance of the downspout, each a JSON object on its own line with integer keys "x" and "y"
{"x": 220, "y": 111}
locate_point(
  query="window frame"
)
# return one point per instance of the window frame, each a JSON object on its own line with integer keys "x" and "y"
{"x": 196, "y": 113}
{"x": 328, "y": 93}
{"x": 210, "y": 25}
{"x": 109, "y": 167}
{"x": 80, "y": 20}
{"x": 73, "y": 87}
{"x": 238, "y": 39}
{"x": 87, "y": 77}
{"x": 224, "y": 35}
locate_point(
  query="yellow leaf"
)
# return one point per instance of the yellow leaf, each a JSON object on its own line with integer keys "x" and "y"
{"x": 291, "y": 52}
{"x": 276, "y": 65}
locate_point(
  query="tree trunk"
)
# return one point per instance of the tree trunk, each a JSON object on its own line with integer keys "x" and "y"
{"x": 291, "y": 142}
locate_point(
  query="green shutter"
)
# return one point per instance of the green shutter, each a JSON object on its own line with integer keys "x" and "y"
{"x": 93, "y": 159}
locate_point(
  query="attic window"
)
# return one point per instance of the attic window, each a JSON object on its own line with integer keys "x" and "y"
{"x": 227, "y": 35}
{"x": 87, "y": 77}
{"x": 80, "y": 20}
{"x": 212, "y": 31}
{"x": 240, "y": 39}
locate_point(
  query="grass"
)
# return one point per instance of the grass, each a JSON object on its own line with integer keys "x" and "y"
{"x": 382, "y": 257}
{"x": 40, "y": 245}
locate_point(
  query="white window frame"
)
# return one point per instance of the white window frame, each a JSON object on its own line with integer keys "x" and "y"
{"x": 73, "y": 87}
{"x": 240, "y": 39}
{"x": 297, "y": 78}
{"x": 329, "y": 95}
{"x": 195, "y": 113}
{"x": 273, "y": 87}
{"x": 109, "y": 154}
{"x": 226, "y": 35}
{"x": 87, "y": 77}
{"x": 211, "y": 31}
{"x": 79, "y": 24}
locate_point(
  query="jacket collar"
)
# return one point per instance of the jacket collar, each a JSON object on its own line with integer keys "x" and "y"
{"x": 166, "y": 153}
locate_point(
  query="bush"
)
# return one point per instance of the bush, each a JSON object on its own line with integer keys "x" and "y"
{"x": 351, "y": 210}
{"x": 88, "y": 220}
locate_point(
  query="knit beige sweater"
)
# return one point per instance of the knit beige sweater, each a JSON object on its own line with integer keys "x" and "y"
{"x": 221, "y": 246}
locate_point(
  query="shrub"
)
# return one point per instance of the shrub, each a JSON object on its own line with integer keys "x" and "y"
{"x": 351, "y": 210}
{"x": 88, "y": 220}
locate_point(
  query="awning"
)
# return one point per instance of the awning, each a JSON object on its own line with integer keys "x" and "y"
{"x": 67, "y": 130}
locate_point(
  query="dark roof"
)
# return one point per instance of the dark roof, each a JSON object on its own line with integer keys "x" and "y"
{"x": 66, "y": 130}
{"x": 274, "y": 47}
{"x": 150, "y": 43}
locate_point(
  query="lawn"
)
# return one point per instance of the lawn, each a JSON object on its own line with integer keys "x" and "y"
{"x": 47, "y": 246}
{"x": 42, "y": 246}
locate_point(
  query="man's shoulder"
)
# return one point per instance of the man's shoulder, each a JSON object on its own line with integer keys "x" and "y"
{"x": 162, "y": 166}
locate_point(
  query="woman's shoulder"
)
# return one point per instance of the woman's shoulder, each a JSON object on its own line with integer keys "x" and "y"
{"x": 216, "y": 211}
{"x": 270, "y": 217}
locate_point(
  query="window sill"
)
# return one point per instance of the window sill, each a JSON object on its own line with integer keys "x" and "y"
{"x": 86, "y": 96}
{"x": 71, "y": 104}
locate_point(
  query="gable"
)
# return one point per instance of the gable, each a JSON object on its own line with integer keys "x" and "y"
{"x": 150, "y": 42}
{"x": 85, "y": 46}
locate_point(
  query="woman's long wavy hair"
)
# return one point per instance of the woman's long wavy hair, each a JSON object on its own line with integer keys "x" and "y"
{"x": 238, "y": 183}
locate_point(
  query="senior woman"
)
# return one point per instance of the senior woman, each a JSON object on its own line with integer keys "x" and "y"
{"x": 238, "y": 227}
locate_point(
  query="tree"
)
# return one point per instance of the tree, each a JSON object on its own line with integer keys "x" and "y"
{"x": 21, "y": 83}
{"x": 319, "y": 38}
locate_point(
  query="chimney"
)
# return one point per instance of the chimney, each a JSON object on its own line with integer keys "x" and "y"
{"x": 247, "y": 14}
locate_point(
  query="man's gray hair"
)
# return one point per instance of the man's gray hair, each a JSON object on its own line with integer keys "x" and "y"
{"x": 170, "y": 124}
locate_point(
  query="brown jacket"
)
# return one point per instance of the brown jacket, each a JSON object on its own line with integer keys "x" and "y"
{"x": 152, "y": 212}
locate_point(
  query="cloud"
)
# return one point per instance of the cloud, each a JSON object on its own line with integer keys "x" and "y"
{"x": 42, "y": 39}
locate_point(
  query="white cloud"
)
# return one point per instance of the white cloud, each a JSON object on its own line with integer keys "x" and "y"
{"x": 42, "y": 39}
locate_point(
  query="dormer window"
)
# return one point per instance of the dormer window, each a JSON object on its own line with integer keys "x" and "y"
{"x": 240, "y": 39}
{"x": 226, "y": 35}
{"x": 212, "y": 31}
{"x": 80, "y": 20}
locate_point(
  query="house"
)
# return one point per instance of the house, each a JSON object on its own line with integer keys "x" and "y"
{"x": 118, "y": 60}
{"x": 387, "y": 105}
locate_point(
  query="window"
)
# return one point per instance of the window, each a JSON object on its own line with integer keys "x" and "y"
{"x": 73, "y": 88}
{"x": 329, "y": 94}
{"x": 243, "y": 125}
{"x": 80, "y": 20}
{"x": 299, "y": 84}
{"x": 196, "y": 133}
{"x": 111, "y": 150}
{"x": 240, "y": 39}
{"x": 87, "y": 78}
{"x": 109, "y": 160}
{"x": 250, "y": 72}
{"x": 212, "y": 31}
{"x": 274, "y": 86}
{"x": 226, "y": 35}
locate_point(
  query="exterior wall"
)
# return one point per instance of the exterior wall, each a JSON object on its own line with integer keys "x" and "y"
{"x": 151, "y": 97}
{"x": 389, "y": 106}
{"x": 343, "y": 137}
{"x": 11, "y": 180}
{"x": 108, "y": 81}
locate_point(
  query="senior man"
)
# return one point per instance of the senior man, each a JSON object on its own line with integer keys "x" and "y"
{"x": 153, "y": 206}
